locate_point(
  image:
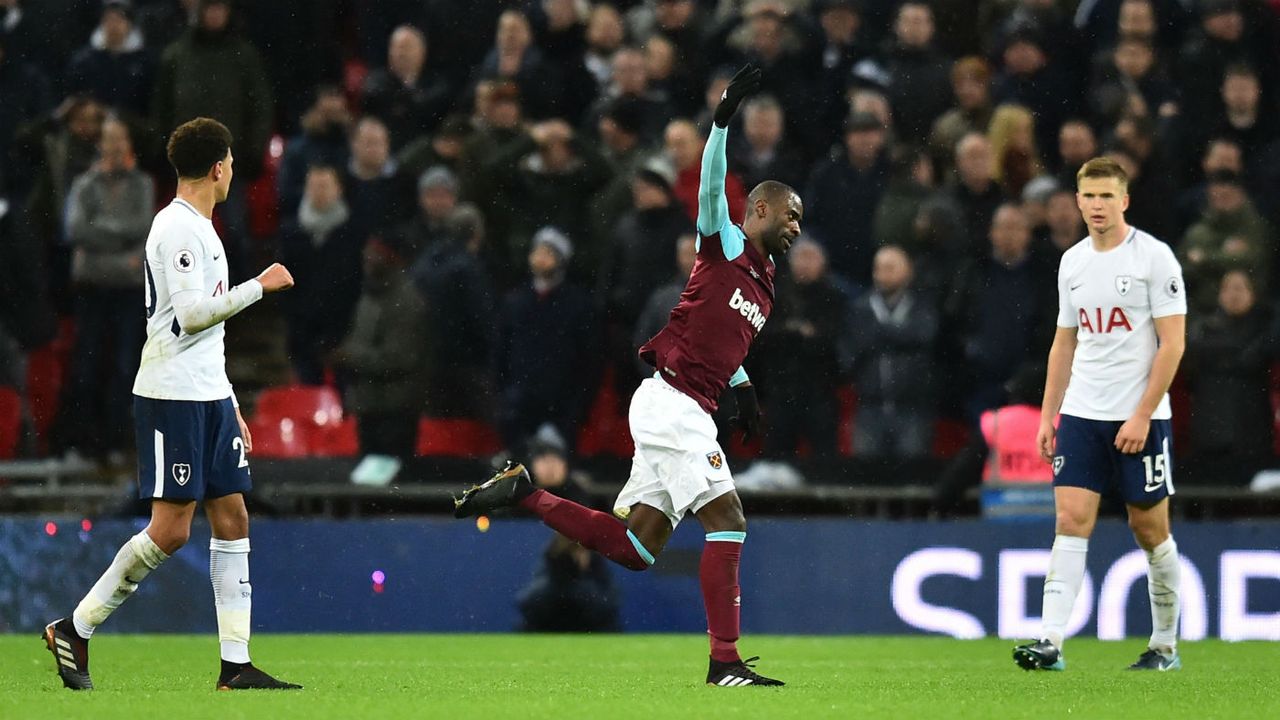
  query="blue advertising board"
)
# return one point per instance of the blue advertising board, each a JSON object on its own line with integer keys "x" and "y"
{"x": 965, "y": 579}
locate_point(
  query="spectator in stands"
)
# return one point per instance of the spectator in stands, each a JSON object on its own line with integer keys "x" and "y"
{"x": 545, "y": 347}
{"x": 1230, "y": 351}
{"x": 1230, "y": 234}
{"x": 683, "y": 22}
{"x": 1077, "y": 144}
{"x": 410, "y": 96}
{"x": 1135, "y": 147}
{"x": 1064, "y": 226}
{"x": 1245, "y": 118}
{"x": 444, "y": 147}
{"x": 669, "y": 79}
{"x": 684, "y": 144}
{"x": 323, "y": 141}
{"x": 60, "y": 147}
{"x": 629, "y": 83}
{"x": 919, "y": 86}
{"x": 1223, "y": 39}
{"x": 911, "y": 183}
{"x": 844, "y": 42}
{"x": 800, "y": 355}
{"x": 620, "y": 129}
{"x": 1037, "y": 81}
{"x": 843, "y": 193}
{"x": 561, "y": 34}
{"x": 1220, "y": 155}
{"x": 771, "y": 38}
{"x": 1014, "y": 156}
{"x": 323, "y": 251}
{"x": 1132, "y": 82}
{"x": 764, "y": 153}
{"x": 605, "y": 34}
{"x": 114, "y": 68}
{"x": 514, "y": 57}
{"x": 437, "y": 199}
{"x": 1001, "y": 311}
{"x": 975, "y": 194}
{"x": 1035, "y": 202}
{"x": 26, "y": 312}
{"x": 26, "y": 94}
{"x": 382, "y": 355}
{"x": 642, "y": 244}
{"x": 572, "y": 589}
{"x": 374, "y": 188}
{"x": 971, "y": 85}
{"x": 547, "y": 178}
{"x": 657, "y": 310}
{"x": 109, "y": 210}
{"x": 453, "y": 282}
{"x": 237, "y": 95}
{"x": 893, "y": 333}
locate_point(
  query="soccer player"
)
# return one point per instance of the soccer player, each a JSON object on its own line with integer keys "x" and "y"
{"x": 678, "y": 465}
{"x": 192, "y": 441}
{"x": 1121, "y": 332}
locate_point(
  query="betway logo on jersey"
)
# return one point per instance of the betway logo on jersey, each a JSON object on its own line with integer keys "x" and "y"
{"x": 1115, "y": 320}
{"x": 747, "y": 309}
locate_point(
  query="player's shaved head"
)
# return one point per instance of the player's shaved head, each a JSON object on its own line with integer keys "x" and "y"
{"x": 197, "y": 145}
{"x": 772, "y": 192}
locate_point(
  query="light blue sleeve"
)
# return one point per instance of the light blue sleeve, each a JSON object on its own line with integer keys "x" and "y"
{"x": 739, "y": 377}
{"x": 713, "y": 206}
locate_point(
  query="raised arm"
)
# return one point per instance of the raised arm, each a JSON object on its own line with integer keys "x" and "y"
{"x": 713, "y": 208}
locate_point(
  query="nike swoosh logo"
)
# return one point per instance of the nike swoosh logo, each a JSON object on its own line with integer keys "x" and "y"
{"x": 244, "y": 582}
{"x": 215, "y": 257}
{"x": 1153, "y": 488}
{"x": 1073, "y": 287}
{"x": 131, "y": 581}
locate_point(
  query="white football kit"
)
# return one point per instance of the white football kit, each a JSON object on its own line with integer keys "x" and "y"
{"x": 186, "y": 268}
{"x": 1112, "y": 299}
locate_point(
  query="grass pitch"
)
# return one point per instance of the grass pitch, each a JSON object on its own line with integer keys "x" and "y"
{"x": 647, "y": 677}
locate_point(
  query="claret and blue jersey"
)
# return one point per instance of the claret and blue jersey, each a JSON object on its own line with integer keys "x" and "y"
{"x": 726, "y": 302}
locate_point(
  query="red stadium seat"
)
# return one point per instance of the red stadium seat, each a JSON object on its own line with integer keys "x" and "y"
{"x": 263, "y": 200}
{"x": 311, "y": 405}
{"x": 456, "y": 437}
{"x": 46, "y": 373}
{"x": 606, "y": 431}
{"x": 339, "y": 440}
{"x": 10, "y": 421}
{"x": 279, "y": 438}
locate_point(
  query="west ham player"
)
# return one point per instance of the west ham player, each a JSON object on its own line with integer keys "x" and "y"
{"x": 678, "y": 465}
{"x": 192, "y": 441}
{"x": 1121, "y": 332}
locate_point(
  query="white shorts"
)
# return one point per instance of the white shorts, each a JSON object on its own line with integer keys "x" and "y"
{"x": 678, "y": 466}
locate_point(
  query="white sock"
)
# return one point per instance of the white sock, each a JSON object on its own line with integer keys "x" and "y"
{"x": 1062, "y": 584}
{"x": 1164, "y": 578}
{"x": 232, "y": 596}
{"x": 136, "y": 559}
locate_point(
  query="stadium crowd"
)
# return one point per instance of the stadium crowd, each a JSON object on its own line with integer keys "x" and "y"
{"x": 489, "y": 204}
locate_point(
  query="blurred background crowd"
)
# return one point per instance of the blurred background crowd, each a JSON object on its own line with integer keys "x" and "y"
{"x": 489, "y": 204}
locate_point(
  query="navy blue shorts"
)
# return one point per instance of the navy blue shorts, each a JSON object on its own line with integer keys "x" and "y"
{"x": 189, "y": 449}
{"x": 1086, "y": 457}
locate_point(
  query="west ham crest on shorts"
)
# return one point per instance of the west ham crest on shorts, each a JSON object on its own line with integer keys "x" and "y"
{"x": 1058, "y": 462}
{"x": 181, "y": 473}
{"x": 1123, "y": 283}
{"x": 715, "y": 460}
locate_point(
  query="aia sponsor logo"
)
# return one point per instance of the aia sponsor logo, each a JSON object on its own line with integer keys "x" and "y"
{"x": 1101, "y": 321}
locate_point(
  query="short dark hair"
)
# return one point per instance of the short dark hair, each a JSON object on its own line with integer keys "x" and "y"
{"x": 771, "y": 191}
{"x": 197, "y": 145}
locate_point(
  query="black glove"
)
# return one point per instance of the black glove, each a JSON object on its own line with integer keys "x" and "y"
{"x": 748, "y": 417}
{"x": 745, "y": 82}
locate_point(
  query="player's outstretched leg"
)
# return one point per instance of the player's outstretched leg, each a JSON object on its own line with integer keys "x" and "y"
{"x": 592, "y": 529}
{"x": 1039, "y": 655}
{"x": 70, "y": 654}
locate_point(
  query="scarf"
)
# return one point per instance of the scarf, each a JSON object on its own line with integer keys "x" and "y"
{"x": 320, "y": 223}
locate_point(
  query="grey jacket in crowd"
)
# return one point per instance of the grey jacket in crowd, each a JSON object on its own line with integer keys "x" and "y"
{"x": 108, "y": 218}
